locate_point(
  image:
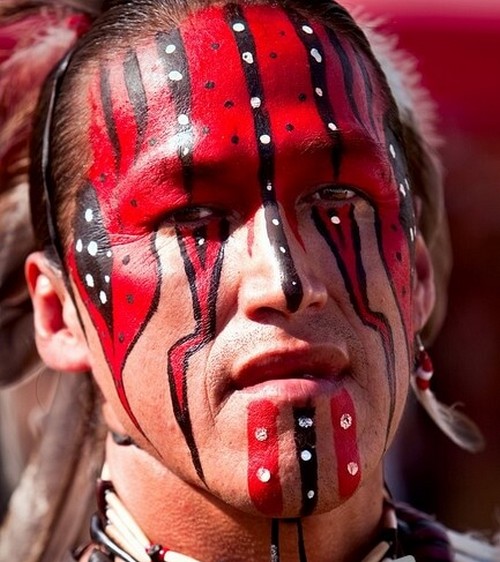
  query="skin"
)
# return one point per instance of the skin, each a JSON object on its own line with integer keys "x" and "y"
{"x": 250, "y": 289}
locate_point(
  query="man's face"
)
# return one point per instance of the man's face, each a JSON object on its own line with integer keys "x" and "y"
{"x": 242, "y": 252}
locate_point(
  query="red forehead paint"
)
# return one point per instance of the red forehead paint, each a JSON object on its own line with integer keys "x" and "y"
{"x": 345, "y": 443}
{"x": 264, "y": 484}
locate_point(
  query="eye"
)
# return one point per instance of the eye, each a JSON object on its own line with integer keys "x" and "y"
{"x": 331, "y": 194}
{"x": 193, "y": 215}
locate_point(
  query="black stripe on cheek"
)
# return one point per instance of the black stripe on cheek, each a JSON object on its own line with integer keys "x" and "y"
{"x": 173, "y": 56}
{"x": 107, "y": 107}
{"x": 305, "y": 444}
{"x": 316, "y": 56}
{"x": 290, "y": 280}
{"x": 137, "y": 96}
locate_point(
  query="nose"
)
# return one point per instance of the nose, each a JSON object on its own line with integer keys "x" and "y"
{"x": 278, "y": 274}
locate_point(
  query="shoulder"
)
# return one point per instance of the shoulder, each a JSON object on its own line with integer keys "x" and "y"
{"x": 423, "y": 537}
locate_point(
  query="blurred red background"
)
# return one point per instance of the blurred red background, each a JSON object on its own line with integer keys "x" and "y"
{"x": 457, "y": 47}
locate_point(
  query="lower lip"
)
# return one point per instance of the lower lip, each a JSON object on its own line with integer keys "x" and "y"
{"x": 293, "y": 391}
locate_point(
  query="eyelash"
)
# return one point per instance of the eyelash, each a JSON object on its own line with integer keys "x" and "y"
{"x": 330, "y": 194}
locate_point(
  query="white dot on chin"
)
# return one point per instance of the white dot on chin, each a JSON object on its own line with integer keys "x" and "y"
{"x": 319, "y": 92}
{"x": 335, "y": 220}
{"x": 310, "y": 494}
{"x": 255, "y": 102}
{"x": 282, "y": 250}
{"x": 89, "y": 215}
{"x": 169, "y": 49}
{"x": 238, "y": 27}
{"x": 183, "y": 119}
{"x": 265, "y": 139}
{"x": 352, "y": 468}
{"x": 307, "y": 29}
{"x": 89, "y": 280}
{"x": 263, "y": 474}
{"x": 102, "y": 297}
{"x": 306, "y": 455}
{"x": 392, "y": 150}
{"x": 276, "y": 222}
{"x": 332, "y": 126}
{"x": 175, "y": 75}
{"x": 79, "y": 245}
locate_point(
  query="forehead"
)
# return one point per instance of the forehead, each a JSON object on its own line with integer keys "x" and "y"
{"x": 228, "y": 84}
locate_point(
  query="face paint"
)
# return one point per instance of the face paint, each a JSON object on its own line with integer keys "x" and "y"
{"x": 263, "y": 458}
{"x": 345, "y": 443}
{"x": 184, "y": 154}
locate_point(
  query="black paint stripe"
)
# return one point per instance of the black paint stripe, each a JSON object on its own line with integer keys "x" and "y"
{"x": 107, "y": 107}
{"x": 305, "y": 442}
{"x": 319, "y": 80}
{"x": 290, "y": 280}
{"x": 368, "y": 90}
{"x": 176, "y": 61}
{"x": 348, "y": 74}
{"x": 300, "y": 540}
{"x": 387, "y": 344}
{"x": 137, "y": 96}
{"x": 204, "y": 329}
{"x": 275, "y": 541}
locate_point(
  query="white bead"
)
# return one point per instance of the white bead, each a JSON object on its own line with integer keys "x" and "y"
{"x": 335, "y": 220}
{"x": 310, "y": 494}
{"x": 265, "y": 139}
{"x": 307, "y": 29}
{"x": 306, "y": 455}
{"x": 238, "y": 27}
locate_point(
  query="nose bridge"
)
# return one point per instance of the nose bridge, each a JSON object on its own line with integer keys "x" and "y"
{"x": 279, "y": 276}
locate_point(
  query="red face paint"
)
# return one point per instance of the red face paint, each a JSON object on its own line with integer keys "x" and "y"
{"x": 345, "y": 443}
{"x": 172, "y": 130}
{"x": 263, "y": 458}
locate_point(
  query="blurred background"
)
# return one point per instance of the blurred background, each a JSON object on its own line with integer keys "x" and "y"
{"x": 457, "y": 47}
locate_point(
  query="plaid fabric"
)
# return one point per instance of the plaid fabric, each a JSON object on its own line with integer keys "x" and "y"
{"x": 421, "y": 536}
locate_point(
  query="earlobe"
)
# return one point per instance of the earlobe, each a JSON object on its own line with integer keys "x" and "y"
{"x": 424, "y": 291}
{"x": 59, "y": 337}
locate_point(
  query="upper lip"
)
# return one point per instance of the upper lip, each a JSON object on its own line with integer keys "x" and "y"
{"x": 321, "y": 362}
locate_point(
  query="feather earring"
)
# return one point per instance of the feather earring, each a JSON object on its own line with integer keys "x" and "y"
{"x": 457, "y": 426}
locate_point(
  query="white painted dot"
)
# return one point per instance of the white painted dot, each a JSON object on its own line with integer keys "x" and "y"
{"x": 89, "y": 280}
{"x": 345, "y": 421}
{"x": 407, "y": 183}
{"x": 185, "y": 150}
{"x": 89, "y": 215}
{"x": 310, "y": 494}
{"x": 316, "y": 55}
{"x": 109, "y": 253}
{"x": 261, "y": 434}
{"x": 269, "y": 186}
{"x": 282, "y": 250}
{"x": 102, "y": 297}
{"x": 412, "y": 235}
{"x": 263, "y": 474}
{"x": 265, "y": 139}
{"x": 306, "y": 455}
{"x": 79, "y": 245}
{"x": 332, "y": 126}
{"x": 247, "y": 57}
{"x": 276, "y": 222}
{"x": 335, "y": 219}
{"x": 392, "y": 150}
{"x": 255, "y": 102}
{"x": 183, "y": 119}
{"x": 402, "y": 189}
{"x": 92, "y": 248}
{"x": 294, "y": 283}
{"x": 319, "y": 92}
{"x": 201, "y": 241}
{"x": 239, "y": 27}
{"x": 352, "y": 468}
{"x": 175, "y": 75}
{"x": 307, "y": 29}
{"x": 305, "y": 422}
{"x": 107, "y": 278}
{"x": 169, "y": 49}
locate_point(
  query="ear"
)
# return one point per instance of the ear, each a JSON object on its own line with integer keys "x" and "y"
{"x": 59, "y": 336}
{"x": 424, "y": 291}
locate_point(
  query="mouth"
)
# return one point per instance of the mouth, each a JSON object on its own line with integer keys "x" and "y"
{"x": 294, "y": 375}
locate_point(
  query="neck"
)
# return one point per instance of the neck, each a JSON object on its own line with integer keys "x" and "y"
{"x": 187, "y": 519}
